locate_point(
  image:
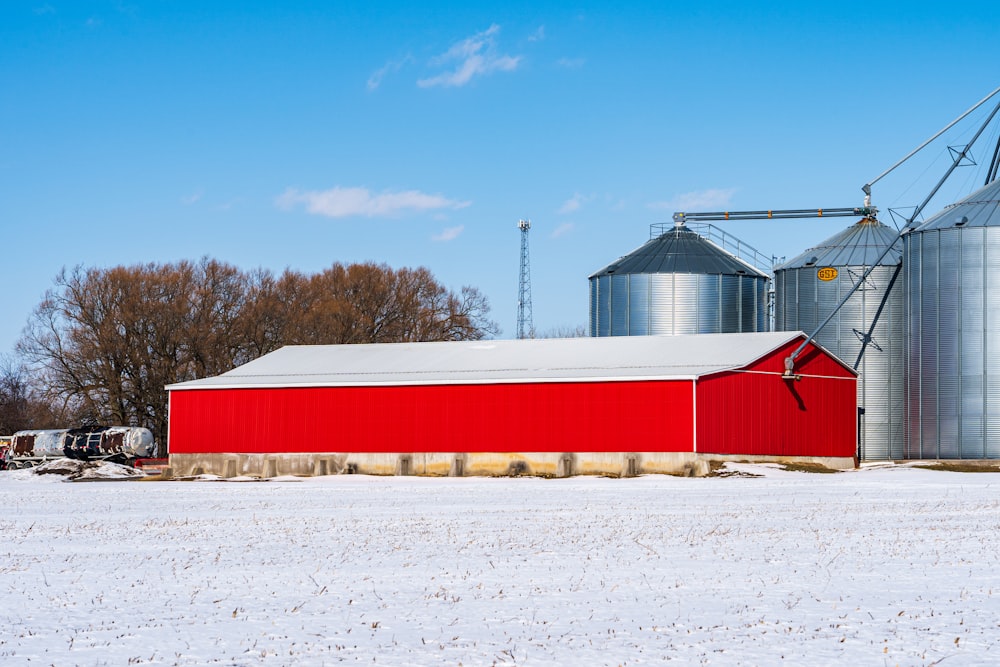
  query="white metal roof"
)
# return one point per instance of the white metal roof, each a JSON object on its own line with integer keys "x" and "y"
{"x": 500, "y": 361}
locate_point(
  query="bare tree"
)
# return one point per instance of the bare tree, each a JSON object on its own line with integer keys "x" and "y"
{"x": 20, "y": 405}
{"x": 373, "y": 303}
{"x": 105, "y": 342}
{"x": 564, "y": 331}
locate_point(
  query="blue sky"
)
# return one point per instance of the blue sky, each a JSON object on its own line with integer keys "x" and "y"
{"x": 297, "y": 134}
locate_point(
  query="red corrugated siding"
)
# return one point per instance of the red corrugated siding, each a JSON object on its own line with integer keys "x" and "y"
{"x": 546, "y": 417}
{"x": 812, "y": 361}
{"x": 763, "y": 414}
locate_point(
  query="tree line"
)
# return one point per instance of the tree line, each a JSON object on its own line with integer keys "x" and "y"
{"x": 103, "y": 342}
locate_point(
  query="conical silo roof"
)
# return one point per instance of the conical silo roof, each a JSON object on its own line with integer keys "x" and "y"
{"x": 980, "y": 209}
{"x": 858, "y": 245}
{"x": 679, "y": 250}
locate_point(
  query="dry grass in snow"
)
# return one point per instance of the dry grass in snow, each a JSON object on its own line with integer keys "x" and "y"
{"x": 888, "y": 565}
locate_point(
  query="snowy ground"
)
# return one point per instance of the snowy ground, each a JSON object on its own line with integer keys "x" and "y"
{"x": 893, "y": 566}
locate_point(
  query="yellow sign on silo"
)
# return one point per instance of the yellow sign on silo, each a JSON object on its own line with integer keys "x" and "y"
{"x": 827, "y": 273}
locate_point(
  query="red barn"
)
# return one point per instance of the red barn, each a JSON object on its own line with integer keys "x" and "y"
{"x": 620, "y": 405}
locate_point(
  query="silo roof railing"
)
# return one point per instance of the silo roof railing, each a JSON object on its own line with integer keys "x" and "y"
{"x": 682, "y": 250}
{"x": 724, "y": 240}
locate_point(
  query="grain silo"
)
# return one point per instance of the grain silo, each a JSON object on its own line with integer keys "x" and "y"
{"x": 679, "y": 282}
{"x": 809, "y": 287}
{"x": 952, "y": 293}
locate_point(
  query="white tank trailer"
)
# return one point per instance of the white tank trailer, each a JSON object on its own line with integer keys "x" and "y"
{"x": 121, "y": 444}
{"x": 951, "y": 279}
{"x": 809, "y": 287}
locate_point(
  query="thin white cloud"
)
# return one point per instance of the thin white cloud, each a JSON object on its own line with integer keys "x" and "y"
{"x": 571, "y": 63}
{"x": 45, "y": 9}
{"x": 562, "y": 230}
{"x": 391, "y": 67}
{"x": 475, "y": 56}
{"x": 339, "y": 202}
{"x": 713, "y": 198}
{"x": 574, "y": 203}
{"x": 449, "y": 234}
{"x": 192, "y": 198}
{"x": 94, "y": 22}
{"x": 128, "y": 10}
{"x": 538, "y": 35}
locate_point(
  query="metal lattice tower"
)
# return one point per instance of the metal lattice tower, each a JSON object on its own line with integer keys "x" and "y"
{"x": 525, "y": 326}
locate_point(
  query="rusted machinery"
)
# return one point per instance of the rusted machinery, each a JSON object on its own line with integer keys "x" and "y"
{"x": 120, "y": 444}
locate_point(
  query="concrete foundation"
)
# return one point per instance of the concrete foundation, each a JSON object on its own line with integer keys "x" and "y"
{"x": 545, "y": 464}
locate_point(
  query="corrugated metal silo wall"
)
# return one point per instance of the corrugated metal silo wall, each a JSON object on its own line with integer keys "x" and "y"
{"x": 802, "y": 301}
{"x": 677, "y": 303}
{"x": 600, "y": 306}
{"x": 618, "y": 316}
{"x": 952, "y": 291}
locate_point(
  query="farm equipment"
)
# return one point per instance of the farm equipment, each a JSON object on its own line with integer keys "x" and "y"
{"x": 118, "y": 444}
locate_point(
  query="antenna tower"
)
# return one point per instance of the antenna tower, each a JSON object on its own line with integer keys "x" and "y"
{"x": 525, "y": 326}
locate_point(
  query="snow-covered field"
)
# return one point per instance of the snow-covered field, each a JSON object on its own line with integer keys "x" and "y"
{"x": 886, "y": 565}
